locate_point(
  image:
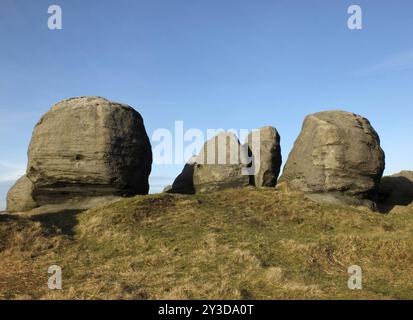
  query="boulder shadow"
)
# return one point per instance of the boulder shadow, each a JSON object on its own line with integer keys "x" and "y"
{"x": 6, "y": 217}
{"x": 58, "y": 223}
{"x": 394, "y": 191}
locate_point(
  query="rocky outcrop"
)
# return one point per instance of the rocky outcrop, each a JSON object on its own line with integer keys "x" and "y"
{"x": 167, "y": 189}
{"x": 20, "y": 196}
{"x": 219, "y": 165}
{"x": 88, "y": 147}
{"x": 184, "y": 182}
{"x": 336, "y": 155}
{"x": 264, "y": 146}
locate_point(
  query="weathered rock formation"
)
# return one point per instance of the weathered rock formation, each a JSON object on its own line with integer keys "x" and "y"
{"x": 264, "y": 145}
{"x": 218, "y": 166}
{"x": 85, "y": 147}
{"x": 337, "y": 155}
{"x": 167, "y": 189}
{"x": 20, "y": 196}
{"x": 184, "y": 182}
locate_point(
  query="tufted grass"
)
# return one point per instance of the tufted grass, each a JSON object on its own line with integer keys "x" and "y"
{"x": 237, "y": 244}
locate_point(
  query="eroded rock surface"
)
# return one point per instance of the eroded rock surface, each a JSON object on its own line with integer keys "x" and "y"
{"x": 337, "y": 153}
{"x": 20, "y": 196}
{"x": 88, "y": 147}
{"x": 218, "y": 166}
{"x": 264, "y": 145}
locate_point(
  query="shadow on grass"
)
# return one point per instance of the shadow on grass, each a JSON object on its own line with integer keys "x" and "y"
{"x": 57, "y": 223}
{"x": 5, "y": 217}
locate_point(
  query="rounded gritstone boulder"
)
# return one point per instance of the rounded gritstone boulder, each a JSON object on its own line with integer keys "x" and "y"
{"x": 20, "y": 196}
{"x": 184, "y": 182}
{"x": 220, "y": 165}
{"x": 88, "y": 147}
{"x": 336, "y": 153}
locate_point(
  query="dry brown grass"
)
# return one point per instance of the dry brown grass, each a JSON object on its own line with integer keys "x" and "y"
{"x": 237, "y": 244}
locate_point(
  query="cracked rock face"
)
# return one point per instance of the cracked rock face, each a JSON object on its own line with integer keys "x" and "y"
{"x": 88, "y": 147}
{"x": 264, "y": 144}
{"x": 336, "y": 152}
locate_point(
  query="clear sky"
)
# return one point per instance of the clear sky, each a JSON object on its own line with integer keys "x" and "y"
{"x": 210, "y": 63}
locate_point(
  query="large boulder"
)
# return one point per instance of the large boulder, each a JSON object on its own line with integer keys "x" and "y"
{"x": 88, "y": 147}
{"x": 337, "y": 153}
{"x": 20, "y": 196}
{"x": 264, "y": 146}
{"x": 184, "y": 182}
{"x": 220, "y": 165}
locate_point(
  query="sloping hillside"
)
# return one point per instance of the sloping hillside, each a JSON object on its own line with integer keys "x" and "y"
{"x": 248, "y": 243}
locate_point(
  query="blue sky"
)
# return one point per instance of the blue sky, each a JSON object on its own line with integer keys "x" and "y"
{"x": 213, "y": 64}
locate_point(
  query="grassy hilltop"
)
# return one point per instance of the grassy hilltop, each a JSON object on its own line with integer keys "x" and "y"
{"x": 234, "y": 244}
